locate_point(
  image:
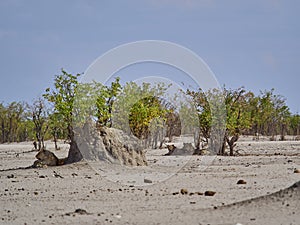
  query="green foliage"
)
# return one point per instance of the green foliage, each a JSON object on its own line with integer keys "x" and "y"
{"x": 12, "y": 119}
{"x": 40, "y": 116}
{"x": 143, "y": 113}
{"x": 105, "y": 101}
{"x": 294, "y": 122}
{"x": 62, "y": 96}
{"x": 138, "y": 109}
{"x": 95, "y": 101}
{"x": 202, "y": 106}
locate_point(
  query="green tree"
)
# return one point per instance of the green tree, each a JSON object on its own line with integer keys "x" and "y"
{"x": 140, "y": 109}
{"x": 238, "y": 115}
{"x": 63, "y": 96}
{"x": 105, "y": 99}
{"x": 273, "y": 114}
{"x": 202, "y": 106}
{"x": 57, "y": 128}
{"x": 294, "y": 125}
{"x": 213, "y": 107}
{"x": 40, "y": 116}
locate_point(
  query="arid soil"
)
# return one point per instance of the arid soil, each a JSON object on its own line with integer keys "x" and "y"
{"x": 243, "y": 189}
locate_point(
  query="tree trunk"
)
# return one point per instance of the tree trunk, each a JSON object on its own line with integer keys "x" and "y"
{"x": 74, "y": 154}
{"x": 231, "y": 149}
{"x": 197, "y": 139}
{"x": 231, "y": 143}
{"x": 55, "y": 140}
{"x": 282, "y": 136}
{"x": 222, "y": 150}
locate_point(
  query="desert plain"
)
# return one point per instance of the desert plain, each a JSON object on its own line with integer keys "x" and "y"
{"x": 260, "y": 185}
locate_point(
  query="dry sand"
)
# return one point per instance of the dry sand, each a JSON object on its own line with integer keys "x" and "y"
{"x": 77, "y": 194}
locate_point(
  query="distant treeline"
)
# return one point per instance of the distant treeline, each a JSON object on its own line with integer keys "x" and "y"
{"x": 53, "y": 115}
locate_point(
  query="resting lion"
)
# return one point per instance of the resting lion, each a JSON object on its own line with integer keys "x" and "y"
{"x": 47, "y": 158}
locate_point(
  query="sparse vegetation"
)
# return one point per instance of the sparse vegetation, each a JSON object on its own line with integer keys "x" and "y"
{"x": 246, "y": 114}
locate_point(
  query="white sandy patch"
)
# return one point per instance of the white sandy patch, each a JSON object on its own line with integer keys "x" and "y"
{"x": 51, "y": 195}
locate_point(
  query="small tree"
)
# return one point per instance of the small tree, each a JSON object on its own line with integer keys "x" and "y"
{"x": 63, "y": 96}
{"x": 40, "y": 120}
{"x": 56, "y": 127}
{"x": 202, "y": 106}
{"x": 238, "y": 115}
{"x": 106, "y": 96}
{"x": 294, "y": 124}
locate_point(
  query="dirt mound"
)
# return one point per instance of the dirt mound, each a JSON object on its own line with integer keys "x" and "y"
{"x": 290, "y": 193}
{"x": 282, "y": 207}
{"x": 110, "y": 145}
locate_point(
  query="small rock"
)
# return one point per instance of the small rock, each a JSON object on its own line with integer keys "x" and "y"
{"x": 209, "y": 193}
{"x": 147, "y": 181}
{"x": 198, "y": 193}
{"x": 10, "y": 176}
{"x": 81, "y": 211}
{"x": 42, "y": 176}
{"x": 57, "y": 175}
{"x": 184, "y": 191}
{"x": 241, "y": 182}
{"x": 296, "y": 171}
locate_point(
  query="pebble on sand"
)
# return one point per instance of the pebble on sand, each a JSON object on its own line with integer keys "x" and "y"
{"x": 209, "y": 193}
{"x": 184, "y": 191}
{"x": 241, "y": 182}
{"x": 147, "y": 181}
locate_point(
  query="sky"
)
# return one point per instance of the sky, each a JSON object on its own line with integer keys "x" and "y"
{"x": 255, "y": 44}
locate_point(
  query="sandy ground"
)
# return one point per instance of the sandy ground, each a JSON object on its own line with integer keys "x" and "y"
{"x": 84, "y": 194}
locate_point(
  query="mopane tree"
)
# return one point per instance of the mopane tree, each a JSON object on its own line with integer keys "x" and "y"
{"x": 14, "y": 125}
{"x": 202, "y": 107}
{"x": 3, "y": 119}
{"x": 141, "y": 110}
{"x": 40, "y": 119}
{"x": 57, "y": 128}
{"x": 62, "y": 96}
{"x": 273, "y": 114}
{"x": 105, "y": 98}
{"x": 294, "y": 125}
{"x": 15, "y": 112}
{"x": 215, "y": 107}
{"x": 238, "y": 115}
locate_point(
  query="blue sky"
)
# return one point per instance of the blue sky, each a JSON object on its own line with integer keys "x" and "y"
{"x": 254, "y": 43}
